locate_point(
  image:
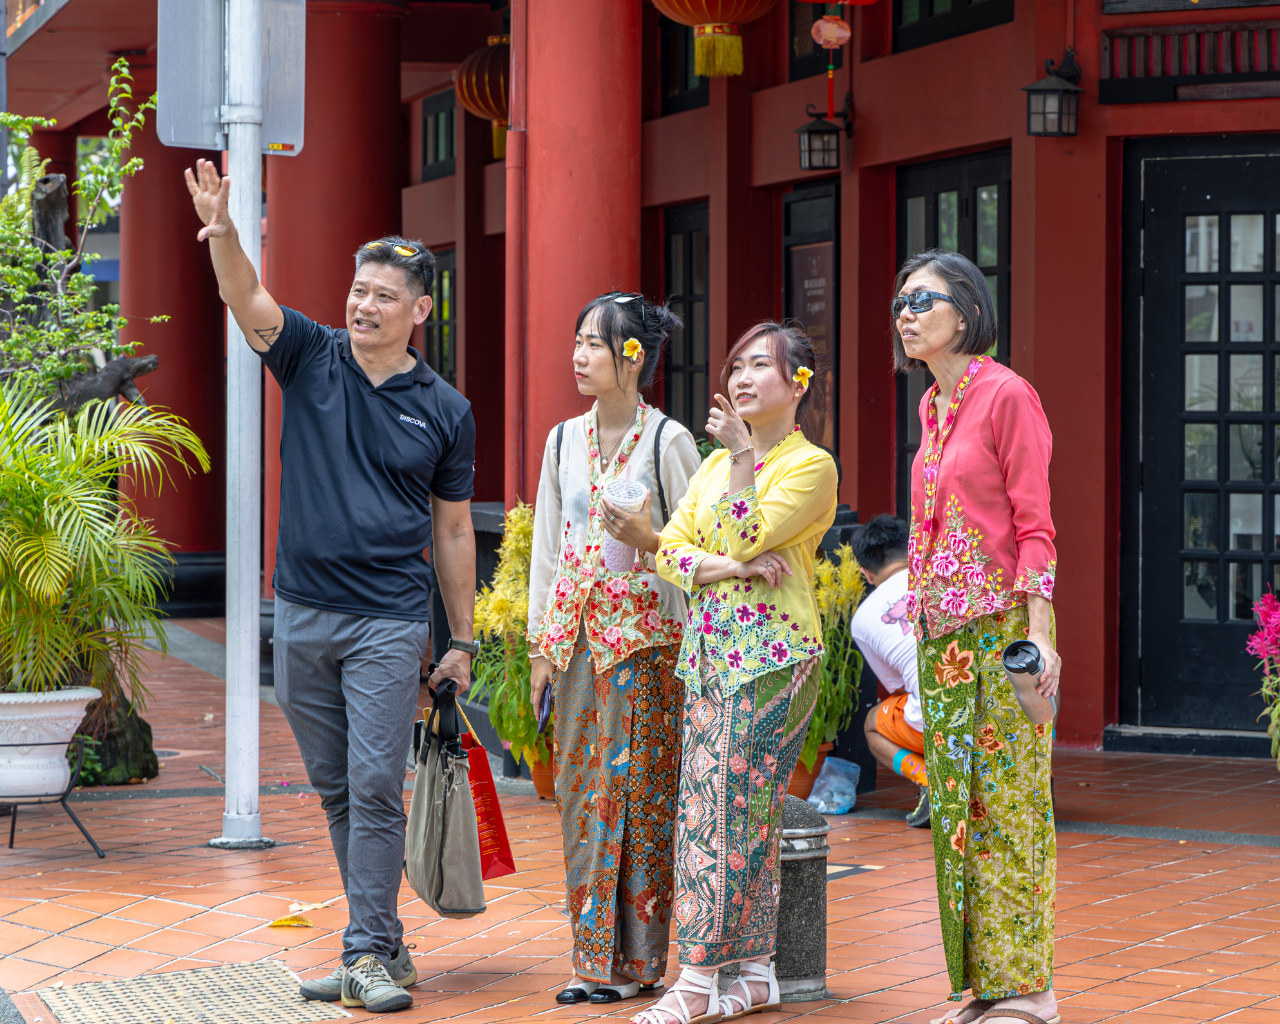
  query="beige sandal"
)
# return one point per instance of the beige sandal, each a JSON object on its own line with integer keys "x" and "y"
{"x": 981, "y": 1006}
{"x": 689, "y": 981}
{"x": 752, "y": 971}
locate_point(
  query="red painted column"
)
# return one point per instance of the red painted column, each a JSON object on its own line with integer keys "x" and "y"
{"x": 165, "y": 271}
{"x": 342, "y": 190}
{"x": 582, "y": 175}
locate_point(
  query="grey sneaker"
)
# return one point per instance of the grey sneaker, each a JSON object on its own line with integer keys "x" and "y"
{"x": 366, "y": 983}
{"x": 919, "y": 818}
{"x": 329, "y": 988}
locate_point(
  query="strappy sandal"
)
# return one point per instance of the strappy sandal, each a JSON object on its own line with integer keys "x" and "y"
{"x": 751, "y": 971}
{"x": 689, "y": 981}
{"x": 999, "y": 1011}
{"x": 981, "y": 1006}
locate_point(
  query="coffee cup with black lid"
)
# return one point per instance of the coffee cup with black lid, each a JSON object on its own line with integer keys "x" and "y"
{"x": 1023, "y": 665}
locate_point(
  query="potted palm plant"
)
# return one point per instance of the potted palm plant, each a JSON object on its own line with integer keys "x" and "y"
{"x": 502, "y": 667}
{"x": 79, "y": 571}
{"x": 838, "y": 588}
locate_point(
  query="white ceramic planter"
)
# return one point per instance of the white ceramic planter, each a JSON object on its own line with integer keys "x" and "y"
{"x": 35, "y": 729}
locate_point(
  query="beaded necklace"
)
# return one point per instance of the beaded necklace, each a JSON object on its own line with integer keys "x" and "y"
{"x": 937, "y": 438}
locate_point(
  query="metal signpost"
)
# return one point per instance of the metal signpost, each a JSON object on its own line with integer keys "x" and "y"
{"x": 230, "y": 75}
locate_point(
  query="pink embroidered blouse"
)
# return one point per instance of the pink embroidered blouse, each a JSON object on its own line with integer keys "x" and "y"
{"x": 981, "y": 531}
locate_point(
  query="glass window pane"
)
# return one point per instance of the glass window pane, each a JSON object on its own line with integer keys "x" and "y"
{"x": 1200, "y": 590}
{"x": 1200, "y": 521}
{"x": 698, "y": 242}
{"x": 675, "y": 265}
{"x": 1246, "y": 312}
{"x": 1244, "y": 451}
{"x": 993, "y": 288}
{"x": 1246, "y": 383}
{"x": 1202, "y": 245}
{"x": 988, "y": 225}
{"x": 1200, "y": 451}
{"x": 941, "y": 6}
{"x": 1201, "y": 385}
{"x": 1246, "y": 242}
{"x": 1276, "y": 522}
{"x": 910, "y": 12}
{"x": 1244, "y": 516}
{"x": 1201, "y": 304}
{"x": 948, "y": 221}
{"x": 915, "y": 224}
{"x": 1275, "y": 334}
{"x": 1246, "y": 587}
{"x": 698, "y": 328}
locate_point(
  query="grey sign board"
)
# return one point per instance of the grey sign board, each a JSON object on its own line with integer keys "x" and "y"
{"x": 191, "y": 74}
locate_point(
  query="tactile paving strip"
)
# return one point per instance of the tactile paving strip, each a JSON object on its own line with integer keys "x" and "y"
{"x": 264, "y": 993}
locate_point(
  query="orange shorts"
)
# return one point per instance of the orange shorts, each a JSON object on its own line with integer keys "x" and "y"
{"x": 892, "y": 725}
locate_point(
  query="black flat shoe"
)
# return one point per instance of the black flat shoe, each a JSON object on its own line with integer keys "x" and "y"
{"x": 617, "y": 993}
{"x": 577, "y": 991}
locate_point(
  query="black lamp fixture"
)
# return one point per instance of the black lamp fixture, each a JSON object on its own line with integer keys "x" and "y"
{"x": 820, "y": 138}
{"x": 1053, "y": 103}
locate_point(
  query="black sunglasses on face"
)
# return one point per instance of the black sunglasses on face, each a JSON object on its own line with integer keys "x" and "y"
{"x": 918, "y": 302}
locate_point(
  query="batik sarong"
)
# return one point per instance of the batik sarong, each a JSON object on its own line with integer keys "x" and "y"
{"x": 992, "y": 813}
{"x": 738, "y": 754}
{"x": 617, "y": 750}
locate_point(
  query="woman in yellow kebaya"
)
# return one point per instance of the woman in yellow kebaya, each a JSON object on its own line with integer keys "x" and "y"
{"x": 742, "y": 545}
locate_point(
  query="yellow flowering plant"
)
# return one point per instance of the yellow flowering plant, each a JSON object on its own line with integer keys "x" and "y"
{"x": 838, "y": 588}
{"x": 502, "y": 618}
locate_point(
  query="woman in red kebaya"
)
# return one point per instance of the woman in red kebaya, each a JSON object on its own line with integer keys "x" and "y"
{"x": 982, "y": 562}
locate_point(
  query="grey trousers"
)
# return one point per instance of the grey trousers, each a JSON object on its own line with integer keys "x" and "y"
{"x": 348, "y": 686}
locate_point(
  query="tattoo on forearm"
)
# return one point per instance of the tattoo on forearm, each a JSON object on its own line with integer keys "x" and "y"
{"x": 267, "y": 335}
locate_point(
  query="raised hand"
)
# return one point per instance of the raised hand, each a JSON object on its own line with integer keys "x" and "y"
{"x": 209, "y": 194}
{"x": 727, "y": 427}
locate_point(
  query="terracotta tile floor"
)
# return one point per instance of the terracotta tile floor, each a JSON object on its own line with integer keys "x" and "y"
{"x": 1169, "y": 899}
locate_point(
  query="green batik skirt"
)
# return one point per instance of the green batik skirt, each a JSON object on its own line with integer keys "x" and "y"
{"x": 992, "y": 812}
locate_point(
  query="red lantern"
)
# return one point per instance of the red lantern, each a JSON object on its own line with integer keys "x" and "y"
{"x": 831, "y": 32}
{"x": 717, "y": 32}
{"x": 481, "y": 86}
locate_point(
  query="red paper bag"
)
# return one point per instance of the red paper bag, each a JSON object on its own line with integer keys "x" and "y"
{"x": 495, "y": 849}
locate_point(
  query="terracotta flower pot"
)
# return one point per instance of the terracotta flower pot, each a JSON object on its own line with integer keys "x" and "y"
{"x": 543, "y": 774}
{"x": 802, "y": 778}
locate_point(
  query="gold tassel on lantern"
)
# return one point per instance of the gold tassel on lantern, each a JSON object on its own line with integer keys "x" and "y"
{"x": 717, "y": 50}
{"x": 499, "y": 139}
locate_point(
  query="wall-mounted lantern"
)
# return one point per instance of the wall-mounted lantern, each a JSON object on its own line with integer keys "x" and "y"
{"x": 820, "y": 138}
{"x": 1053, "y": 103}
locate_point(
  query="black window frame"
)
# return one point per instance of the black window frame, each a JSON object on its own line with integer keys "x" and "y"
{"x": 821, "y": 198}
{"x": 962, "y": 17}
{"x": 685, "y": 401}
{"x": 445, "y": 105}
{"x": 963, "y": 175}
{"x": 440, "y": 331}
{"x": 677, "y": 40}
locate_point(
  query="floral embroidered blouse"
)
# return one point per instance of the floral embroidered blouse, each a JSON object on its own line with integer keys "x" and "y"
{"x": 741, "y": 627}
{"x": 623, "y": 612}
{"x": 981, "y": 532}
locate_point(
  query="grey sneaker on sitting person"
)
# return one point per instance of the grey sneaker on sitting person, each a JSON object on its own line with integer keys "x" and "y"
{"x": 329, "y": 988}
{"x": 919, "y": 818}
{"x": 366, "y": 983}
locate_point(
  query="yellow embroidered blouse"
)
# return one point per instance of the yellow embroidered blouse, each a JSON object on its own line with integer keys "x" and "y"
{"x": 743, "y": 628}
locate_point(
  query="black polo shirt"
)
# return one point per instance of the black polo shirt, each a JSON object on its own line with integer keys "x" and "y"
{"x": 358, "y": 467}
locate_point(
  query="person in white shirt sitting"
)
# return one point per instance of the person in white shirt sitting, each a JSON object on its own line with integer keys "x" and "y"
{"x": 884, "y": 634}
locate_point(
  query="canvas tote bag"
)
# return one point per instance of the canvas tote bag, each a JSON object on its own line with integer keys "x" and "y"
{"x": 442, "y": 843}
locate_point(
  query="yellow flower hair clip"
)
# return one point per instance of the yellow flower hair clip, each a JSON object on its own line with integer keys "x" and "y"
{"x": 631, "y": 349}
{"x": 802, "y": 376}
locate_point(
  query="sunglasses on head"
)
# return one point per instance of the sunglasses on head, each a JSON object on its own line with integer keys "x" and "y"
{"x": 918, "y": 302}
{"x": 403, "y": 250}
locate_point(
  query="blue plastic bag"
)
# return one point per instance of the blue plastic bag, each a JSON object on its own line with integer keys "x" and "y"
{"x": 835, "y": 791}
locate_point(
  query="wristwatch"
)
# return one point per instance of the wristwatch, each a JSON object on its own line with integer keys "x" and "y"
{"x": 472, "y": 647}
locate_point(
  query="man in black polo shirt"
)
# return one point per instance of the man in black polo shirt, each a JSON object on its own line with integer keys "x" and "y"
{"x": 377, "y": 456}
